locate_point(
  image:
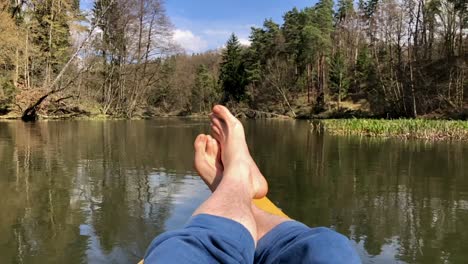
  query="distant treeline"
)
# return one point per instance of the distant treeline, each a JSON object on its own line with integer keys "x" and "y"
{"x": 389, "y": 58}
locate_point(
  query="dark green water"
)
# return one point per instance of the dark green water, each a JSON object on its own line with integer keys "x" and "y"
{"x": 99, "y": 191}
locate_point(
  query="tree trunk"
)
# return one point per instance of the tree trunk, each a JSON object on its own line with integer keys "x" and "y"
{"x": 308, "y": 82}
{"x": 30, "y": 114}
{"x": 16, "y": 77}
{"x": 26, "y": 61}
{"x": 49, "y": 53}
{"x": 415, "y": 112}
{"x": 320, "y": 100}
{"x": 460, "y": 34}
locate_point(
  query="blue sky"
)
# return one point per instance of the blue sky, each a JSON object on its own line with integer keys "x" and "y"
{"x": 201, "y": 25}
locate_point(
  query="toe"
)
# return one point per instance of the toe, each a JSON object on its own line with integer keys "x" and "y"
{"x": 216, "y": 132}
{"x": 217, "y": 122}
{"x": 209, "y": 138}
{"x": 200, "y": 143}
{"x": 223, "y": 113}
{"x": 212, "y": 147}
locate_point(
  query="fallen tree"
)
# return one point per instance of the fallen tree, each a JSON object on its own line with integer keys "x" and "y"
{"x": 30, "y": 114}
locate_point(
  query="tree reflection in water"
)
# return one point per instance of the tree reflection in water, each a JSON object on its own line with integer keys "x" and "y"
{"x": 400, "y": 201}
{"x": 99, "y": 191}
{"x": 91, "y": 192}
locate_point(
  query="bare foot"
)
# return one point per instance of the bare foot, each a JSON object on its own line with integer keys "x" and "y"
{"x": 207, "y": 160}
{"x": 229, "y": 132}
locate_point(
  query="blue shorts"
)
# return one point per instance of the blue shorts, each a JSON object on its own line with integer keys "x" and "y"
{"x": 213, "y": 239}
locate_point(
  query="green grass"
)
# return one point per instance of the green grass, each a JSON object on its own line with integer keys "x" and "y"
{"x": 401, "y": 128}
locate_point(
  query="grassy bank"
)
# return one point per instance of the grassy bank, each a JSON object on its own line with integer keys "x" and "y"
{"x": 400, "y": 128}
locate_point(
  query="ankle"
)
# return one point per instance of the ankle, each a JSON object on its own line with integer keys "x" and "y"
{"x": 237, "y": 166}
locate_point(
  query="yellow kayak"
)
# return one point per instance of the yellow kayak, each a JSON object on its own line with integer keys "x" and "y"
{"x": 266, "y": 205}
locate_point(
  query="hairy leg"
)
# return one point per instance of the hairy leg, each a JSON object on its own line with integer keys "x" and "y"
{"x": 266, "y": 221}
{"x": 233, "y": 196}
{"x": 209, "y": 166}
{"x": 219, "y": 117}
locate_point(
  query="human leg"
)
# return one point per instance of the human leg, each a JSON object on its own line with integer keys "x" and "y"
{"x": 223, "y": 228}
{"x": 294, "y": 242}
{"x": 280, "y": 240}
{"x": 240, "y": 183}
{"x": 208, "y": 164}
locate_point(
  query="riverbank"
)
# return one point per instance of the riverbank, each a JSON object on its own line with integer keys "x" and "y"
{"x": 243, "y": 113}
{"x": 103, "y": 116}
{"x": 399, "y": 128}
{"x": 427, "y": 129}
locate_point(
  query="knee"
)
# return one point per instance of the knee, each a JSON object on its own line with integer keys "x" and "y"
{"x": 329, "y": 246}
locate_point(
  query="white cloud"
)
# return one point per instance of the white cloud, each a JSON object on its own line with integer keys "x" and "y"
{"x": 189, "y": 41}
{"x": 244, "y": 41}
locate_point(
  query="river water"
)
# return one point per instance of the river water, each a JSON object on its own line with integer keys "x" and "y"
{"x": 99, "y": 191}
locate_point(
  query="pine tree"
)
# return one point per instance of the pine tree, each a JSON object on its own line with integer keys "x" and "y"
{"x": 345, "y": 9}
{"x": 51, "y": 34}
{"x": 317, "y": 45}
{"x": 339, "y": 77}
{"x": 204, "y": 90}
{"x": 364, "y": 70}
{"x": 323, "y": 17}
{"x": 233, "y": 77}
{"x": 266, "y": 43}
{"x": 292, "y": 30}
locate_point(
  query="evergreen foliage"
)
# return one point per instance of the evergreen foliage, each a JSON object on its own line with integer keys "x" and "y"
{"x": 393, "y": 58}
{"x": 205, "y": 90}
{"x": 339, "y": 76}
{"x": 233, "y": 76}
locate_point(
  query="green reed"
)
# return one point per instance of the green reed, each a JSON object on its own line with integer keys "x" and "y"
{"x": 401, "y": 128}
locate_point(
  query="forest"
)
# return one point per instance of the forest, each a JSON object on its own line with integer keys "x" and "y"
{"x": 371, "y": 58}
